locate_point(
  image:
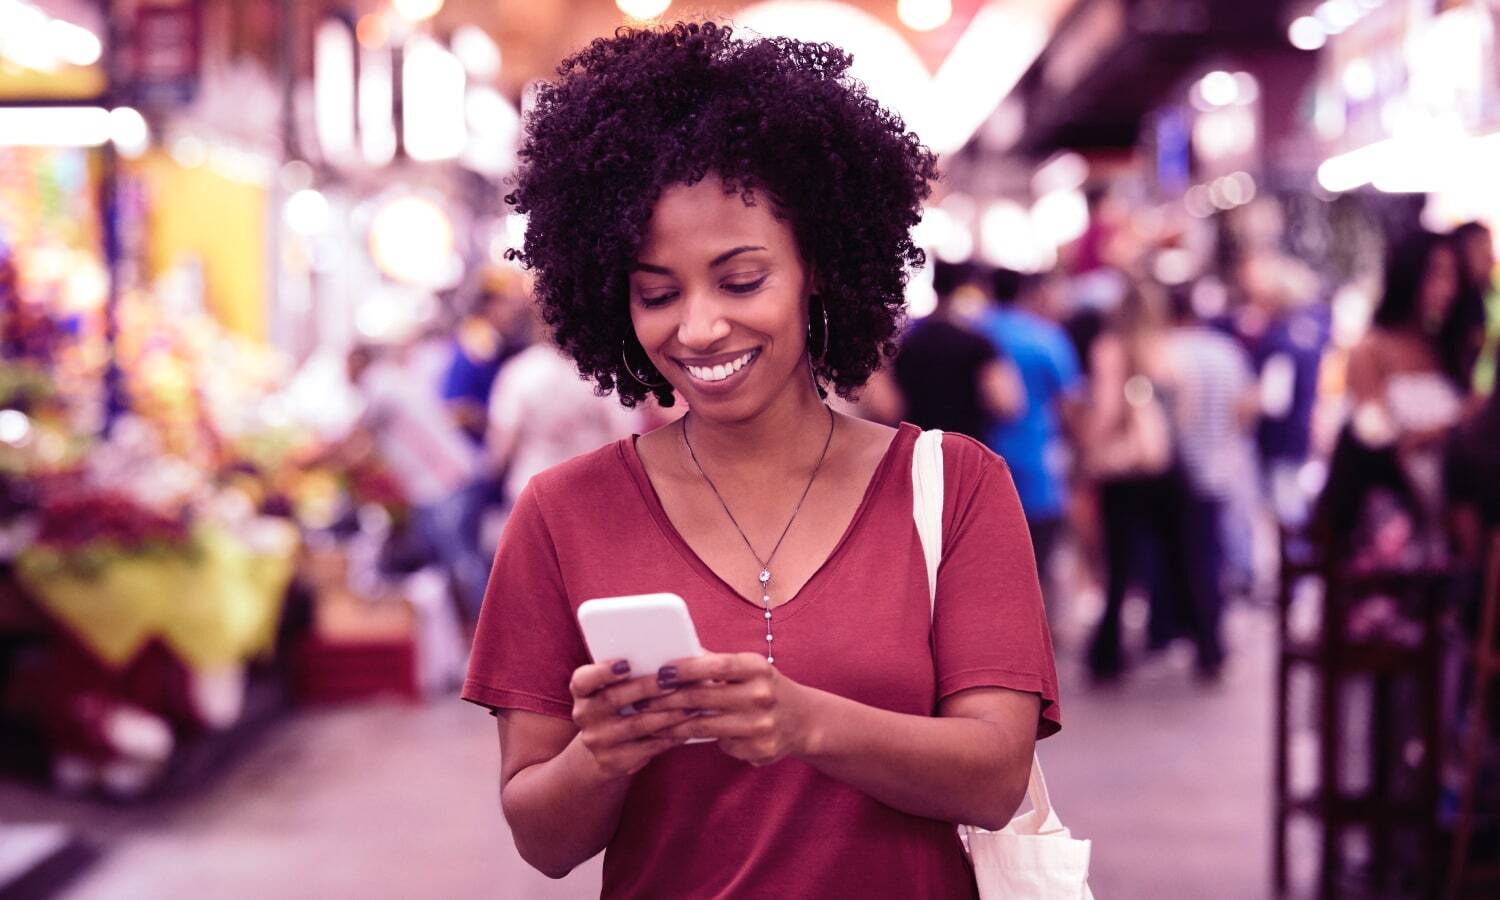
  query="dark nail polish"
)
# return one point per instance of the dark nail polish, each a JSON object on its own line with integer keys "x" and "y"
{"x": 667, "y": 677}
{"x": 621, "y": 667}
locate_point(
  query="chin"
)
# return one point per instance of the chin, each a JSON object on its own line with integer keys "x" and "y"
{"x": 749, "y": 402}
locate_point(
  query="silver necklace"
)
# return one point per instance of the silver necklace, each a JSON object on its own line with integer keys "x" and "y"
{"x": 765, "y": 564}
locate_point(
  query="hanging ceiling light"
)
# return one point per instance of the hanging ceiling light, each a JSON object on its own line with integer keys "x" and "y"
{"x": 433, "y": 83}
{"x": 643, "y": 9}
{"x": 924, "y": 15}
{"x": 417, "y": 10}
{"x": 1306, "y": 33}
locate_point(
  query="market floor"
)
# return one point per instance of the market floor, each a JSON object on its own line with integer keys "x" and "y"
{"x": 1170, "y": 779}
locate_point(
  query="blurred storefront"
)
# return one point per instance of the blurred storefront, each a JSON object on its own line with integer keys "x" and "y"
{"x": 173, "y": 566}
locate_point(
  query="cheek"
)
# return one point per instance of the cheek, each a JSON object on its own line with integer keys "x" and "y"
{"x": 652, "y": 327}
{"x": 784, "y": 316}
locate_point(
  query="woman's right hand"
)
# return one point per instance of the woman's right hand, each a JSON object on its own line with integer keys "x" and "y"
{"x": 609, "y": 708}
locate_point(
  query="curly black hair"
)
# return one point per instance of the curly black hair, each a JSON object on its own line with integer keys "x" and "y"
{"x": 633, "y": 114}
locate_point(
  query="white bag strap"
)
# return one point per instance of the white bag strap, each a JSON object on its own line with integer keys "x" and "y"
{"x": 1043, "y": 818}
{"x": 927, "y": 511}
{"x": 927, "y": 504}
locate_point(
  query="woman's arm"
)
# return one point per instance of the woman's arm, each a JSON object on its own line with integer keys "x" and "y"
{"x": 969, "y": 765}
{"x": 1002, "y": 390}
{"x": 1364, "y": 374}
{"x": 562, "y": 783}
{"x": 1106, "y": 389}
{"x": 560, "y": 808}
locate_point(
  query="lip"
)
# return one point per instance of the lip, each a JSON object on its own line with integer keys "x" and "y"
{"x": 718, "y": 388}
{"x": 718, "y": 359}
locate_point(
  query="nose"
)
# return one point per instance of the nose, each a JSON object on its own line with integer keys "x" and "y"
{"x": 702, "y": 323}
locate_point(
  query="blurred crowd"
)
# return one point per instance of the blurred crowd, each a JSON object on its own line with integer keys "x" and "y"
{"x": 1170, "y": 435}
{"x": 462, "y": 415}
{"x": 1164, "y": 437}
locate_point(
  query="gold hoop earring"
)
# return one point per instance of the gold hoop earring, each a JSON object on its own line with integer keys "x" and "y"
{"x": 822, "y": 355}
{"x": 625, "y": 361}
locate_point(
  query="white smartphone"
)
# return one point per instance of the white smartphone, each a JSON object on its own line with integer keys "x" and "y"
{"x": 646, "y": 630}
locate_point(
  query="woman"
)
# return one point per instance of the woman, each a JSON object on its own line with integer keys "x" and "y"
{"x": 1407, "y": 389}
{"x": 727, "y": 222}
{"x": 1127, "y": 451}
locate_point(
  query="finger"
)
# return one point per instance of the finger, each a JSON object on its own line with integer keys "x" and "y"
{"x": 589, "y": 680}
{"x": 616, "y": 697}
{"x": 715, "y": 667}
{"x": 641, "y": 752}
{"x": 715, "y": 727}
{"x": 721, "y": 698}
{"x": 634, "y": 728}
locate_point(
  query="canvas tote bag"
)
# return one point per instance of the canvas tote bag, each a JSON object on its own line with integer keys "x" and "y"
{"x": 1034, "y": 857}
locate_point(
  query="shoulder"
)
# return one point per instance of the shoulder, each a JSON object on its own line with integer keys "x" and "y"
{"x": 1055, "y": 339}
{"x": 974, "y": 337}
{"x": 997, "y": 322}
{"x": 978, "y": 490}
{"x": 1380, "y": 339}
{"x": 597, "y": 473}
{"x": 966, "y": 460}
{"x": 537, "y": 362}
{"x": 1375, "y": 345}
{"x": 966, "y": 450}
{"x": 1221, "y": 345}
{"x": 873, "y": 441}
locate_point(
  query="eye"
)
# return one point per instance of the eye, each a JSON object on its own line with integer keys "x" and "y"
{"x": 651, "y": 301}
{"x": 744, "y": 287}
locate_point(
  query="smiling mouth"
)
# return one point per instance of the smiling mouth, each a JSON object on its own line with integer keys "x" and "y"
{"x": 711, "y": 374}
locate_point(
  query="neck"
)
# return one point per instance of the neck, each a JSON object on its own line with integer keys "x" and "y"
{"x": 784, "y": 437}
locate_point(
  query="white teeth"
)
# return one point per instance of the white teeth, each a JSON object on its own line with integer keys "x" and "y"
{"x": 719, "y": 372}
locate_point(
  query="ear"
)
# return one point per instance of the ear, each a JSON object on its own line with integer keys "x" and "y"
{"x": 811, "y": 285}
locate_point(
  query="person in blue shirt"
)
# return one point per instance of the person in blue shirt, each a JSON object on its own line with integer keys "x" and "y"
{"x": 491, "y": 334}
{"x": 496, "y": 330}
{"x": 1032, "y": 442}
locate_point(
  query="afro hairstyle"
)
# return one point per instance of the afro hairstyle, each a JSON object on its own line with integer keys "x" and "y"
{"x": 633, "y": 114}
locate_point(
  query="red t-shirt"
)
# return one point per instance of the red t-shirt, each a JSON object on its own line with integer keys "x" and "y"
{"x": 698, "y": 823}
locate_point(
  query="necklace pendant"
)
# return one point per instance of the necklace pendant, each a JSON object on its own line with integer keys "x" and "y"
{"x": 765, "y": 576}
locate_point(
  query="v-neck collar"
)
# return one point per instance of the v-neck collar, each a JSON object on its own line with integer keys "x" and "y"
{"x": 631, "y": 457}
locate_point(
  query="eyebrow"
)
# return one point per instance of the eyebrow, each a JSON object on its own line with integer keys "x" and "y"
{"x": 719, "y": 260}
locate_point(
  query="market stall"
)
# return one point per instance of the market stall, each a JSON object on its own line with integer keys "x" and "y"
{"x": 184, "y": 549}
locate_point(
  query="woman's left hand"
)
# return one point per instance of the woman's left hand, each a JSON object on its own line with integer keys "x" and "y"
{"x": 753, "y": 711}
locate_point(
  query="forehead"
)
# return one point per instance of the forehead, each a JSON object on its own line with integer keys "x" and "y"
{"x": 701, "y": 219}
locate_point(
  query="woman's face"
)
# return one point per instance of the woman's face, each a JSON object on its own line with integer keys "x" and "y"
{"x": 1439, "y": 285}
{"x": 718, "y": 299}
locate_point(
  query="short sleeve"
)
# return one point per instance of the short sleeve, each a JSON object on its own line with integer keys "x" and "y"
{"x": 526, "y": 645}
{"x": 990, "y": 625}
{"x": 1064, "y": 364}
{"x": 459, "y": 375}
